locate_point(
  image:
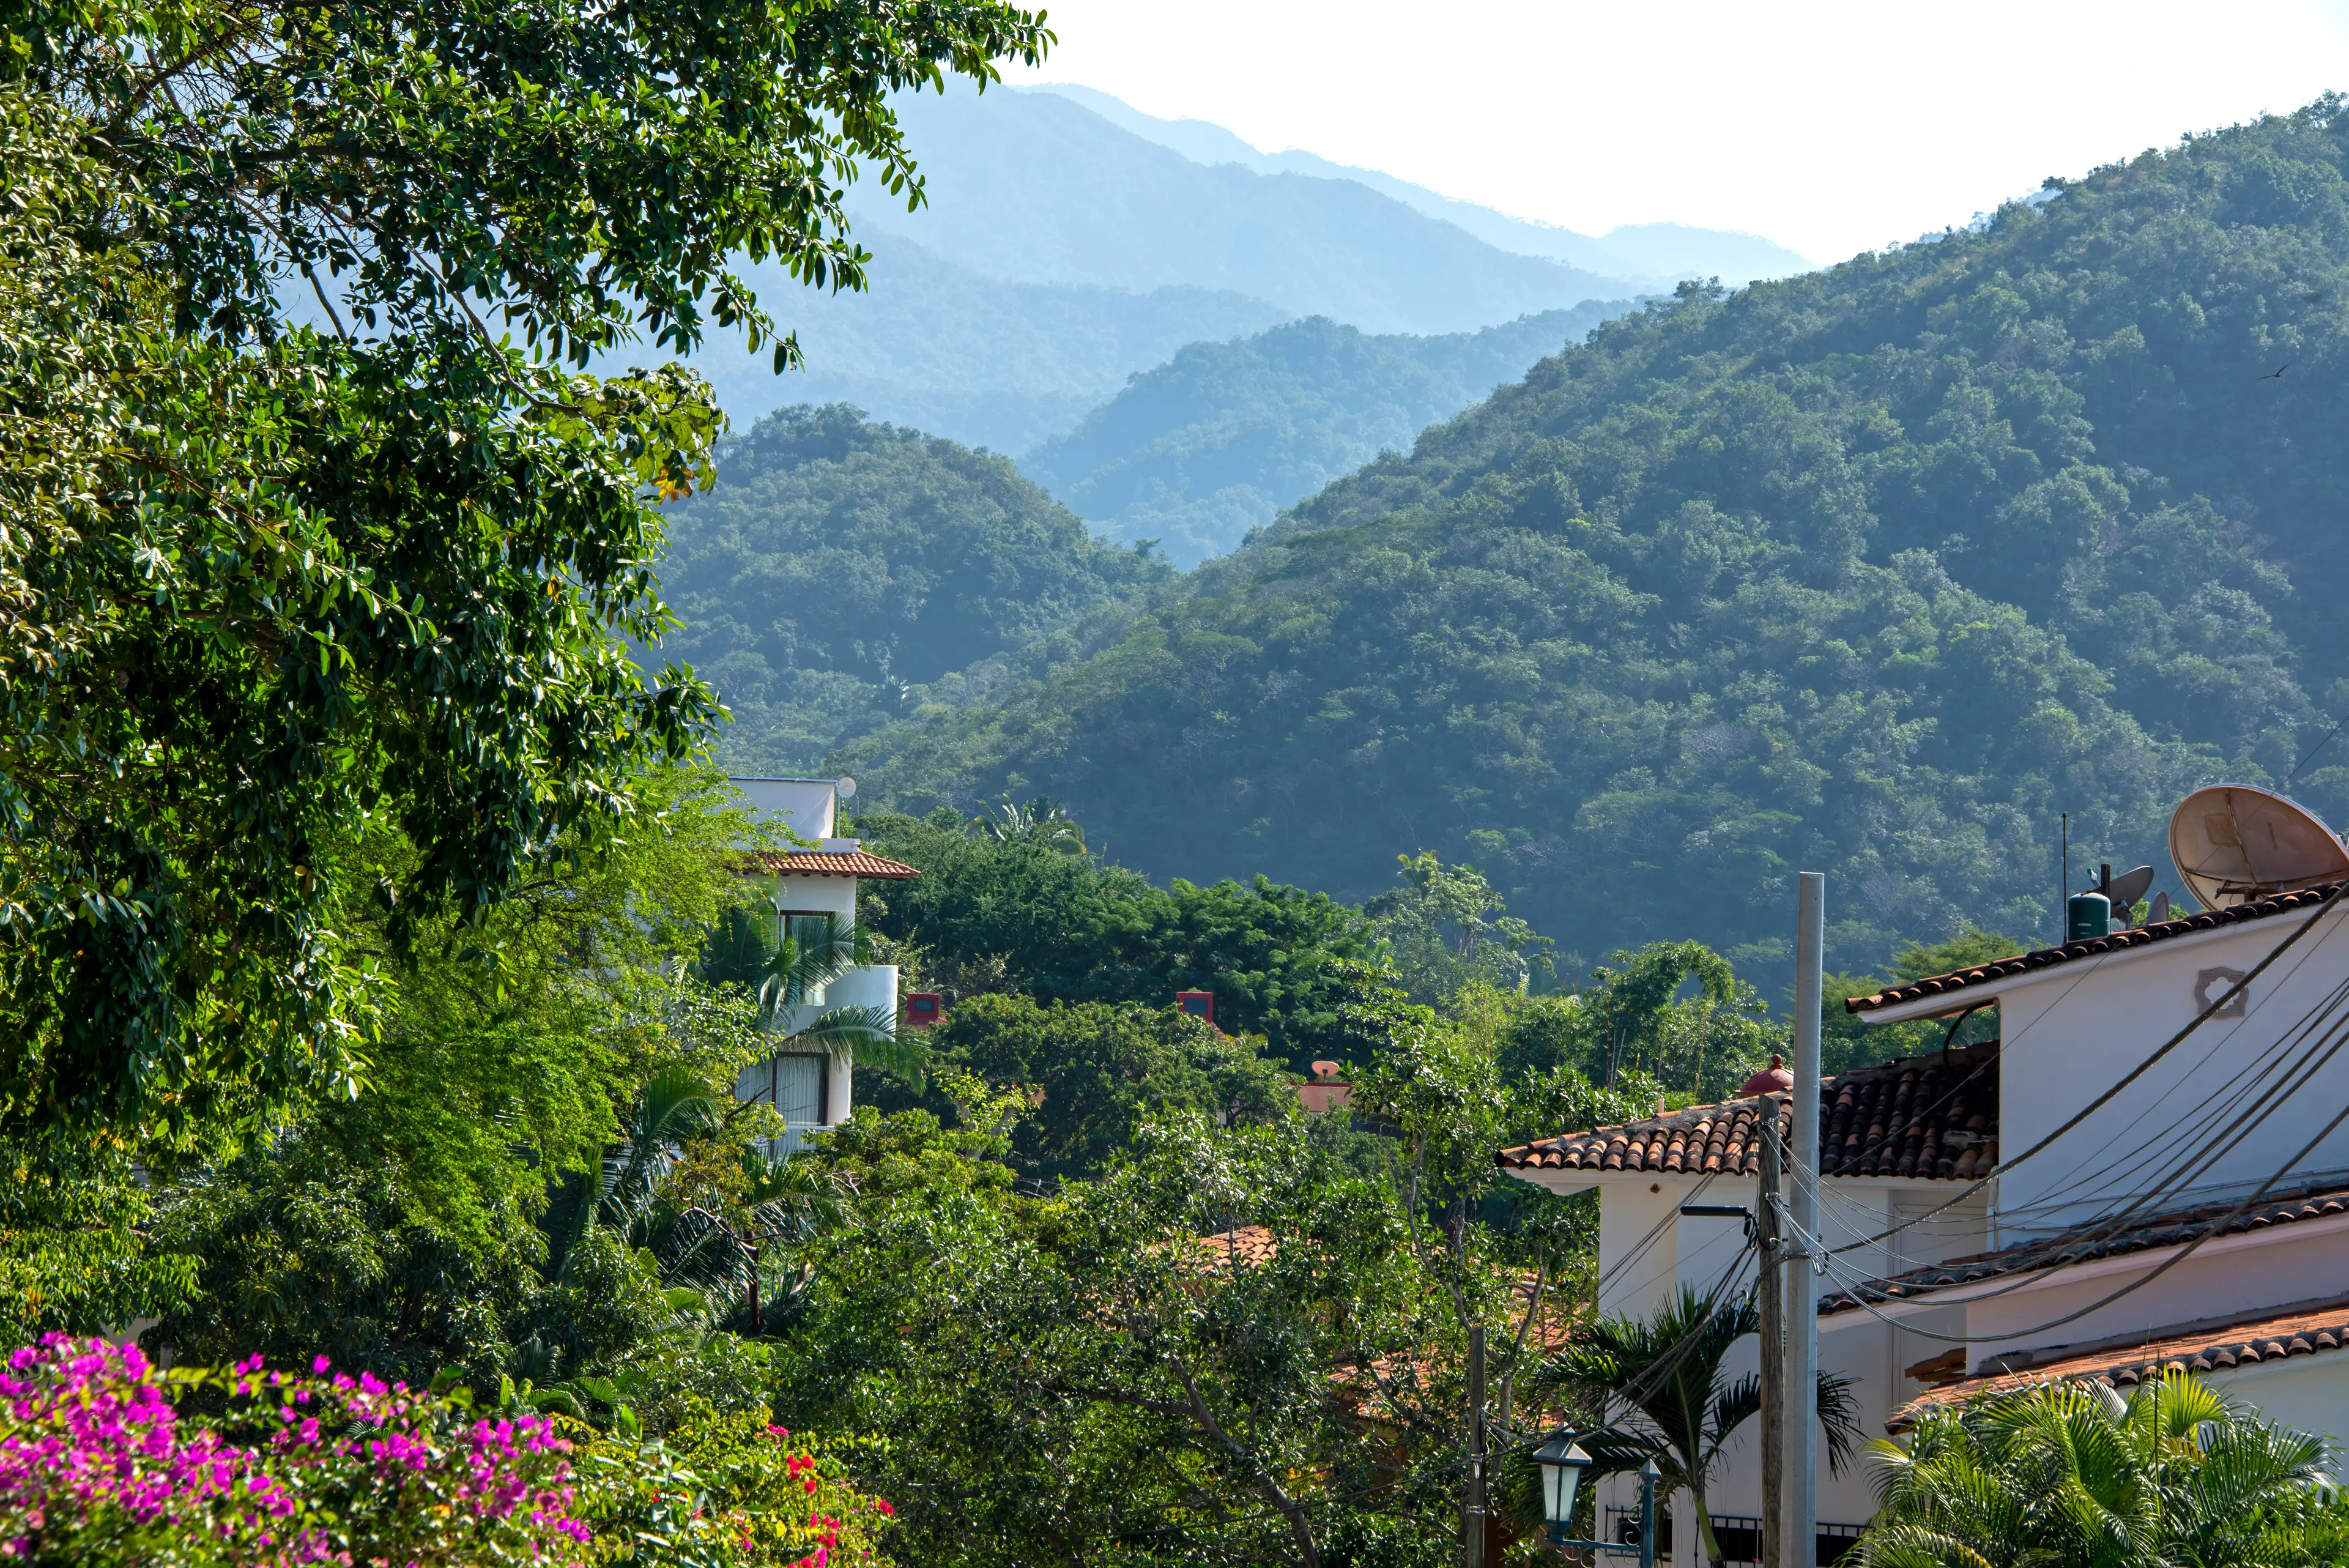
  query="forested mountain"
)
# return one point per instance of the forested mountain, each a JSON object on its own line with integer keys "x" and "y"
{"x": 1653, "y": 255}
{"x": 984, "y": 362}
{"x": 838, "y": 564}
{"x": 1033, "y": 188}
{"x": 1220, "y": 438}
{"x": 1875, "y": 570}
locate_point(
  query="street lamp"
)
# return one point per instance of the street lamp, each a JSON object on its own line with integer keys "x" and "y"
{"x": 1562, "y": 1463}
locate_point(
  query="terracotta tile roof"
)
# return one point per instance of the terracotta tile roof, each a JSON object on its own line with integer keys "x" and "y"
{"x": 1251, "y": 1245}
{"x": 2023, "y": 963}
{"x": 1931, "y": 1116}
{"x": 2089, "y": 1242}
{"x": 816, "y": 863}
{"x": 2274, "y": 1337}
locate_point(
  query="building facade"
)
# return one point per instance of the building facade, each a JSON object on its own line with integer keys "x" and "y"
{"x": 2148, "y": 1166}
{"x": 813, "y": 1088}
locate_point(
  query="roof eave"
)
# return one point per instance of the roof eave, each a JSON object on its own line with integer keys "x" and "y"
{"x": 1961, "y": 996}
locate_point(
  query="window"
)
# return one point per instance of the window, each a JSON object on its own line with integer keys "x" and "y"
{"x": 799, "y": 1088}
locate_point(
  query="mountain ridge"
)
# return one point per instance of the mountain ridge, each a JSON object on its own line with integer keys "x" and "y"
{"x": 1876, "y": 569}
{"x": 1198, "y": 451}
{"x": 1653, "y": 256}
{"x": 1037, "y": 187}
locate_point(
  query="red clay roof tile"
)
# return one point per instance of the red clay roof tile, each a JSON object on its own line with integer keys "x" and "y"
{"x": 2273, "y": 1337}
{"x": 817, "y": 863}
{"x": 1929, "y": 1116}
{"x": 2094, "y": 1240}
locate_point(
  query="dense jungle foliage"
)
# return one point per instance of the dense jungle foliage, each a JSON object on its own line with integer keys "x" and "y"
{"x": 837, "y": 565}
{"x": 1875, "y": 570}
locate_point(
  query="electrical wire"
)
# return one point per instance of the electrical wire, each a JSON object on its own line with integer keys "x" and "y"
{"x": 2133, "y": 1075}
{"x": 1721, "y": 1297}
{"x": 2312, "y": 754}
{"x": 2214, "y": 1227}
{"x": 1655, "y": 1233}
{"x": 2296, "y": 1076}
{"x": 2208, "y": 1109}
{"x": 2250, "y": 1103}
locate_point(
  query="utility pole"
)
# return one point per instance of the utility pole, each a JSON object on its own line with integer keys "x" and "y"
{"x": 1774, "y": 1344}
{"x": 1800, "y": 1304}
{"x": 1472, "y": 1517}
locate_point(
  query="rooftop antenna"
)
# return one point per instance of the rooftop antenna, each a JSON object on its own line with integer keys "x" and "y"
{"x": 2233, "y": 844}
{"x": 2063, "y": 877}
{"x": 2126, "y": 889}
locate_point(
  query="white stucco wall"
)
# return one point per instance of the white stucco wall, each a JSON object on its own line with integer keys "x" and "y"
{"x": 1696, "y": 1250}
{"x": 2242, "y": 1276}
{"x": 807, "y": 806}
{"x": 2309, "y": 1394}
{"x": 2072, "y": 1031}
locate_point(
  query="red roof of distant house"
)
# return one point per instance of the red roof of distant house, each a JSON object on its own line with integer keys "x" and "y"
{"x": 2023, "y": 963}
{"x": 1933, "y": 1116}
{"x": 2260, "y": 1339}
{"x": 819, "y": 863}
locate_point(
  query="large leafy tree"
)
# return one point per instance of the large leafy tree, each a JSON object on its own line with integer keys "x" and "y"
{"x": 267, "y": 575}
{"x": 1099, "y": 1071}
{"x": 1240, "y": 1344}
{"x": 1008, "y": 902}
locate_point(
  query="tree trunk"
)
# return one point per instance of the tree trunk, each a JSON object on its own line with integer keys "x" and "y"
{"x": 1704, "y": 1524}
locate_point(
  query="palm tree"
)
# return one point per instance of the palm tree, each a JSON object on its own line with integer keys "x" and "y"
{"x": 2073, "y": 1473}
{"x": 1041, "y": 821}
{"x": 1680, "y": 1407}
{"x": 810, "y": 954}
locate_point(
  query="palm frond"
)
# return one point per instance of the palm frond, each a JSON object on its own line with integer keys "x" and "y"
{"x": 869, "y": 1034}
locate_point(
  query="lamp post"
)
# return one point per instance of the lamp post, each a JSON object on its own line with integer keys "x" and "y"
{"x": 1562, "y": 1462}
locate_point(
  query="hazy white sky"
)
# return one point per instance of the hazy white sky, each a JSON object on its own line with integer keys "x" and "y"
{"x": 1829, "y": 126}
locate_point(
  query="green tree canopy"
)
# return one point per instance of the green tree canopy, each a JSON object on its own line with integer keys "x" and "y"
{"x": 268, "y": 579}
{"x": 2075, "y": 1473}
{"x": 994, "y": 911}
{"x": 841, "y": 573}
{"x": 1874, "y": 570}
{"x": 1100, "y": 1071}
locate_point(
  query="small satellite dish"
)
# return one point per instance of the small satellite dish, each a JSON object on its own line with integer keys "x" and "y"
{"x": 2233, "y": 844}
{"x": 846, "y": 788}
{"x": 2129, "y": 886}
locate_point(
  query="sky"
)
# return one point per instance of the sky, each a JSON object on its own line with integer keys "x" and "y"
{"x": 1828, "y": 125}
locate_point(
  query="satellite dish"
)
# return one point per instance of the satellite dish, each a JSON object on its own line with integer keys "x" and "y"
{"x": 2129, "y": 886}
{"x": 2233, "y": 844}
{"x": 846, "y": 788}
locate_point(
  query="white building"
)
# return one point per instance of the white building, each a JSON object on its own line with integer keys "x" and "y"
{"x": 2059, "y": 1216}
{"x": 812, "y": 1087}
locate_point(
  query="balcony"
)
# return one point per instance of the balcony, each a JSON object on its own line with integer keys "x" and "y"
{"x": 812, "y": 1087}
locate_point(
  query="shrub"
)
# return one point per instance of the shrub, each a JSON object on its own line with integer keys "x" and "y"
{"x": 107, "y": 1459}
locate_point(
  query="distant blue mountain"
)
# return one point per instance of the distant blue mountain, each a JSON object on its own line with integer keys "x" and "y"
{"x": 984, "y": 362}
{"x": 1653, "y": 255}
{"x": 1222, "y": 437}
{"x": 1033, "y": 187}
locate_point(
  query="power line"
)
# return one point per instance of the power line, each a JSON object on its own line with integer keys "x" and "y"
{"x": 2312, "y": 753}
{"x": 2295, "y": 1076}
{"x": 2134, "y": 1073}
{"x": 2211, "y": 1109}
{"x": 2250, "y": 1103}
{"x": 2214, "y": 1227}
